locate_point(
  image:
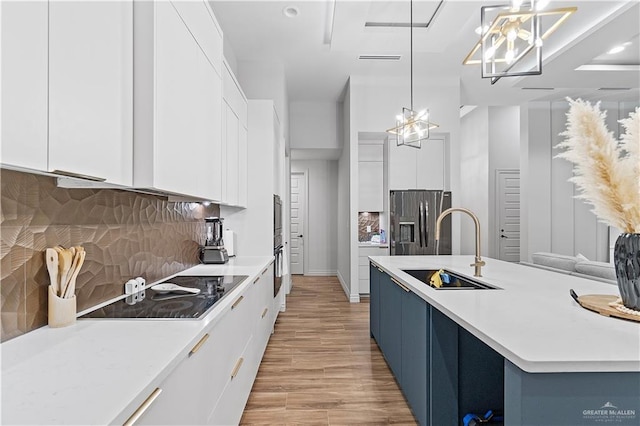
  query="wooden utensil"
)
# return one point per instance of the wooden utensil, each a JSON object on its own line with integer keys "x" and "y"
{"x": 75, "y": 253}
{"x": 77, "y": 264}
{"x": 64, "y": 264}
{"x": 51, "y": 258}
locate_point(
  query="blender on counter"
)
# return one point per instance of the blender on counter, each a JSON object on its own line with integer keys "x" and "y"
{"x": 213, "y": 250}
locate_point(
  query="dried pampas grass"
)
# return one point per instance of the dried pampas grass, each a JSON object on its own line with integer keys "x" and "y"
{"x": 606, "y": 172}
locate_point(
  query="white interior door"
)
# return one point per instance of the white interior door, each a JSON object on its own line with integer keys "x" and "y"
{"x": 298, "y": 207}
{"x": 508, "y": 182}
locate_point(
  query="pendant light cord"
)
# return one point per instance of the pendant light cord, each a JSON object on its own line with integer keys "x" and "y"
{"x": 411, "y": 47}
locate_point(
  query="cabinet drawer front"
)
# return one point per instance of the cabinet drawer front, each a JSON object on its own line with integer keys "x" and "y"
{"x": 364, "y": 286}
{"x": 229, "y": 409}
{"x": 202, "y": 25}
{"x": 363, "y": 272}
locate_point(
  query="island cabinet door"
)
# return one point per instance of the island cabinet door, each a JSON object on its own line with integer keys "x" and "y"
{"x": 375, "y": 275}
{"x": 391, "y": 323}
{"x": 415, "y": 356}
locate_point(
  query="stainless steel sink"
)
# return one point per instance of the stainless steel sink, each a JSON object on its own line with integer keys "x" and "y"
{"x": 456, "y": 282}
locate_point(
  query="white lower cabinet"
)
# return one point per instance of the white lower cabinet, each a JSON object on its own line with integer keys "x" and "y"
{"x": 185, "y": 395}
{"x": 363, "y": 265}
{"x": 231, "y": 404}
{"x": 212, "y": 383}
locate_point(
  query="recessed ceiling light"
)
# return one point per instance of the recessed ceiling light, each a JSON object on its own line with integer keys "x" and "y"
{"x": 627, "y": 43}
{"x": 616, "y": 49}
{"x": 291, "y": 11}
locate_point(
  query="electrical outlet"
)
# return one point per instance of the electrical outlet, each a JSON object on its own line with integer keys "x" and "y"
{"x": 135, "y": 298}
{"x": 368, "y": 228}
{"x": 142, "y": 283}
{"x": 132, "y": 286}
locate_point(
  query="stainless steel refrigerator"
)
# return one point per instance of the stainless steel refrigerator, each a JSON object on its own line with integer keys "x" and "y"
{"x": 413, "y": 222}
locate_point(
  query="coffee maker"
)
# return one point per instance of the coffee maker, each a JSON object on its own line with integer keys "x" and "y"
{"x": 213, "y": 250}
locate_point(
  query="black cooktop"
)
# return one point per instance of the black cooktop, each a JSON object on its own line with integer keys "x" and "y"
{"x": 151, "y": 304}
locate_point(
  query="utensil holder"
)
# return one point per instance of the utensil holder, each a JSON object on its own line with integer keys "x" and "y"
{"x": 62, "y": 312}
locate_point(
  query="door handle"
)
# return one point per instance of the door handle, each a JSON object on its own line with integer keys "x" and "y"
{"x": 141, "y": 410}
{"x": 420, "y": 223}
{"x": 425, "y": 224}
{"x": 300, "y": 236}
{"x": 503, "y": 236}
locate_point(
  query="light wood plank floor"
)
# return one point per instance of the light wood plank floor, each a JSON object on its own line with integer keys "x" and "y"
{"x": 321, "y": 366}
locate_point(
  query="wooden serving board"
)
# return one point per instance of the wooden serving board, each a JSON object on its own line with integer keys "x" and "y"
{"x": 600, "y": 303}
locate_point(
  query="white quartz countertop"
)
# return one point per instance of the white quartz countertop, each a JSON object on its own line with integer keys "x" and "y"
{"x": 90, "y": 372}
{"x": 532, "y": 320}
{"x": 370, "y": 244}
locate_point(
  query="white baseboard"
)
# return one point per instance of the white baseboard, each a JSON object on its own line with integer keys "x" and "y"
{"x": 321, "y": 273}
{"x": 353, "y": 298}
{"x": 343, "y": 284}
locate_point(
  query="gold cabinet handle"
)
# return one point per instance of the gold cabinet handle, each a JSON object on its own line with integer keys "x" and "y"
{"x": 264, "y": 312}
{"x": 234, "y": 373}
{"x": 402, "y": 286}
{"x": 237, "y": 302}
{"x": 198, "y": 345}
{"x": 143, "y": 407}
{"x": 379, "y": 269}
{"x": 256, "y": 280}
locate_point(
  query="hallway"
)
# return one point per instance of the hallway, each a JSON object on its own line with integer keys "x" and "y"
{"x": 321, "y": 366}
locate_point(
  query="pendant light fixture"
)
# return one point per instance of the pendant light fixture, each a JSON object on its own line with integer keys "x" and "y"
{"x": 511, "y": 38}
{"x": 412, "y": 127}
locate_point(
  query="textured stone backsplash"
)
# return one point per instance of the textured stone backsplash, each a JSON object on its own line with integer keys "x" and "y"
{"x": 125, "y": 234}
{"x": 368, "y": 219}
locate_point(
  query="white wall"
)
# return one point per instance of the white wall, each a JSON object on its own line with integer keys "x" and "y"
{"x": 267, "y": 80}
{"x": 474, "y": 173}
{"x": 322, "y": 210}
{"x": 553, "y": 220}
{"x": 490, "y": 141}
{"x": 375, "y": 106}
{"x": 504, "y": 153}
{"x": 314, "y": 125}
{"x": 344, "y": 201}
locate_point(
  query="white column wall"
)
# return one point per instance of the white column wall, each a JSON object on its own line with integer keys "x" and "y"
{"x": 474, "y": 173}
{"x": 322, "y": 211}
{"x": 344, "y": 200}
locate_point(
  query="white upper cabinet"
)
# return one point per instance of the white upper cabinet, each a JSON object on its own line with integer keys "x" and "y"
{"x": 411, "y": 168}
{"x": 202, "y": 24}
{"x": 370, "y": 177}
{"x": 67, "y": 88}
{"x": 234, "y": 141}
{"x": 91, "y": 89}
{"x": 24, "y": 50}
{"x": 178, "y": 104}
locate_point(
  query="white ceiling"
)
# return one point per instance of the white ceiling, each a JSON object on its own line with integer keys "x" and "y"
{"x": 320, "y": 47}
